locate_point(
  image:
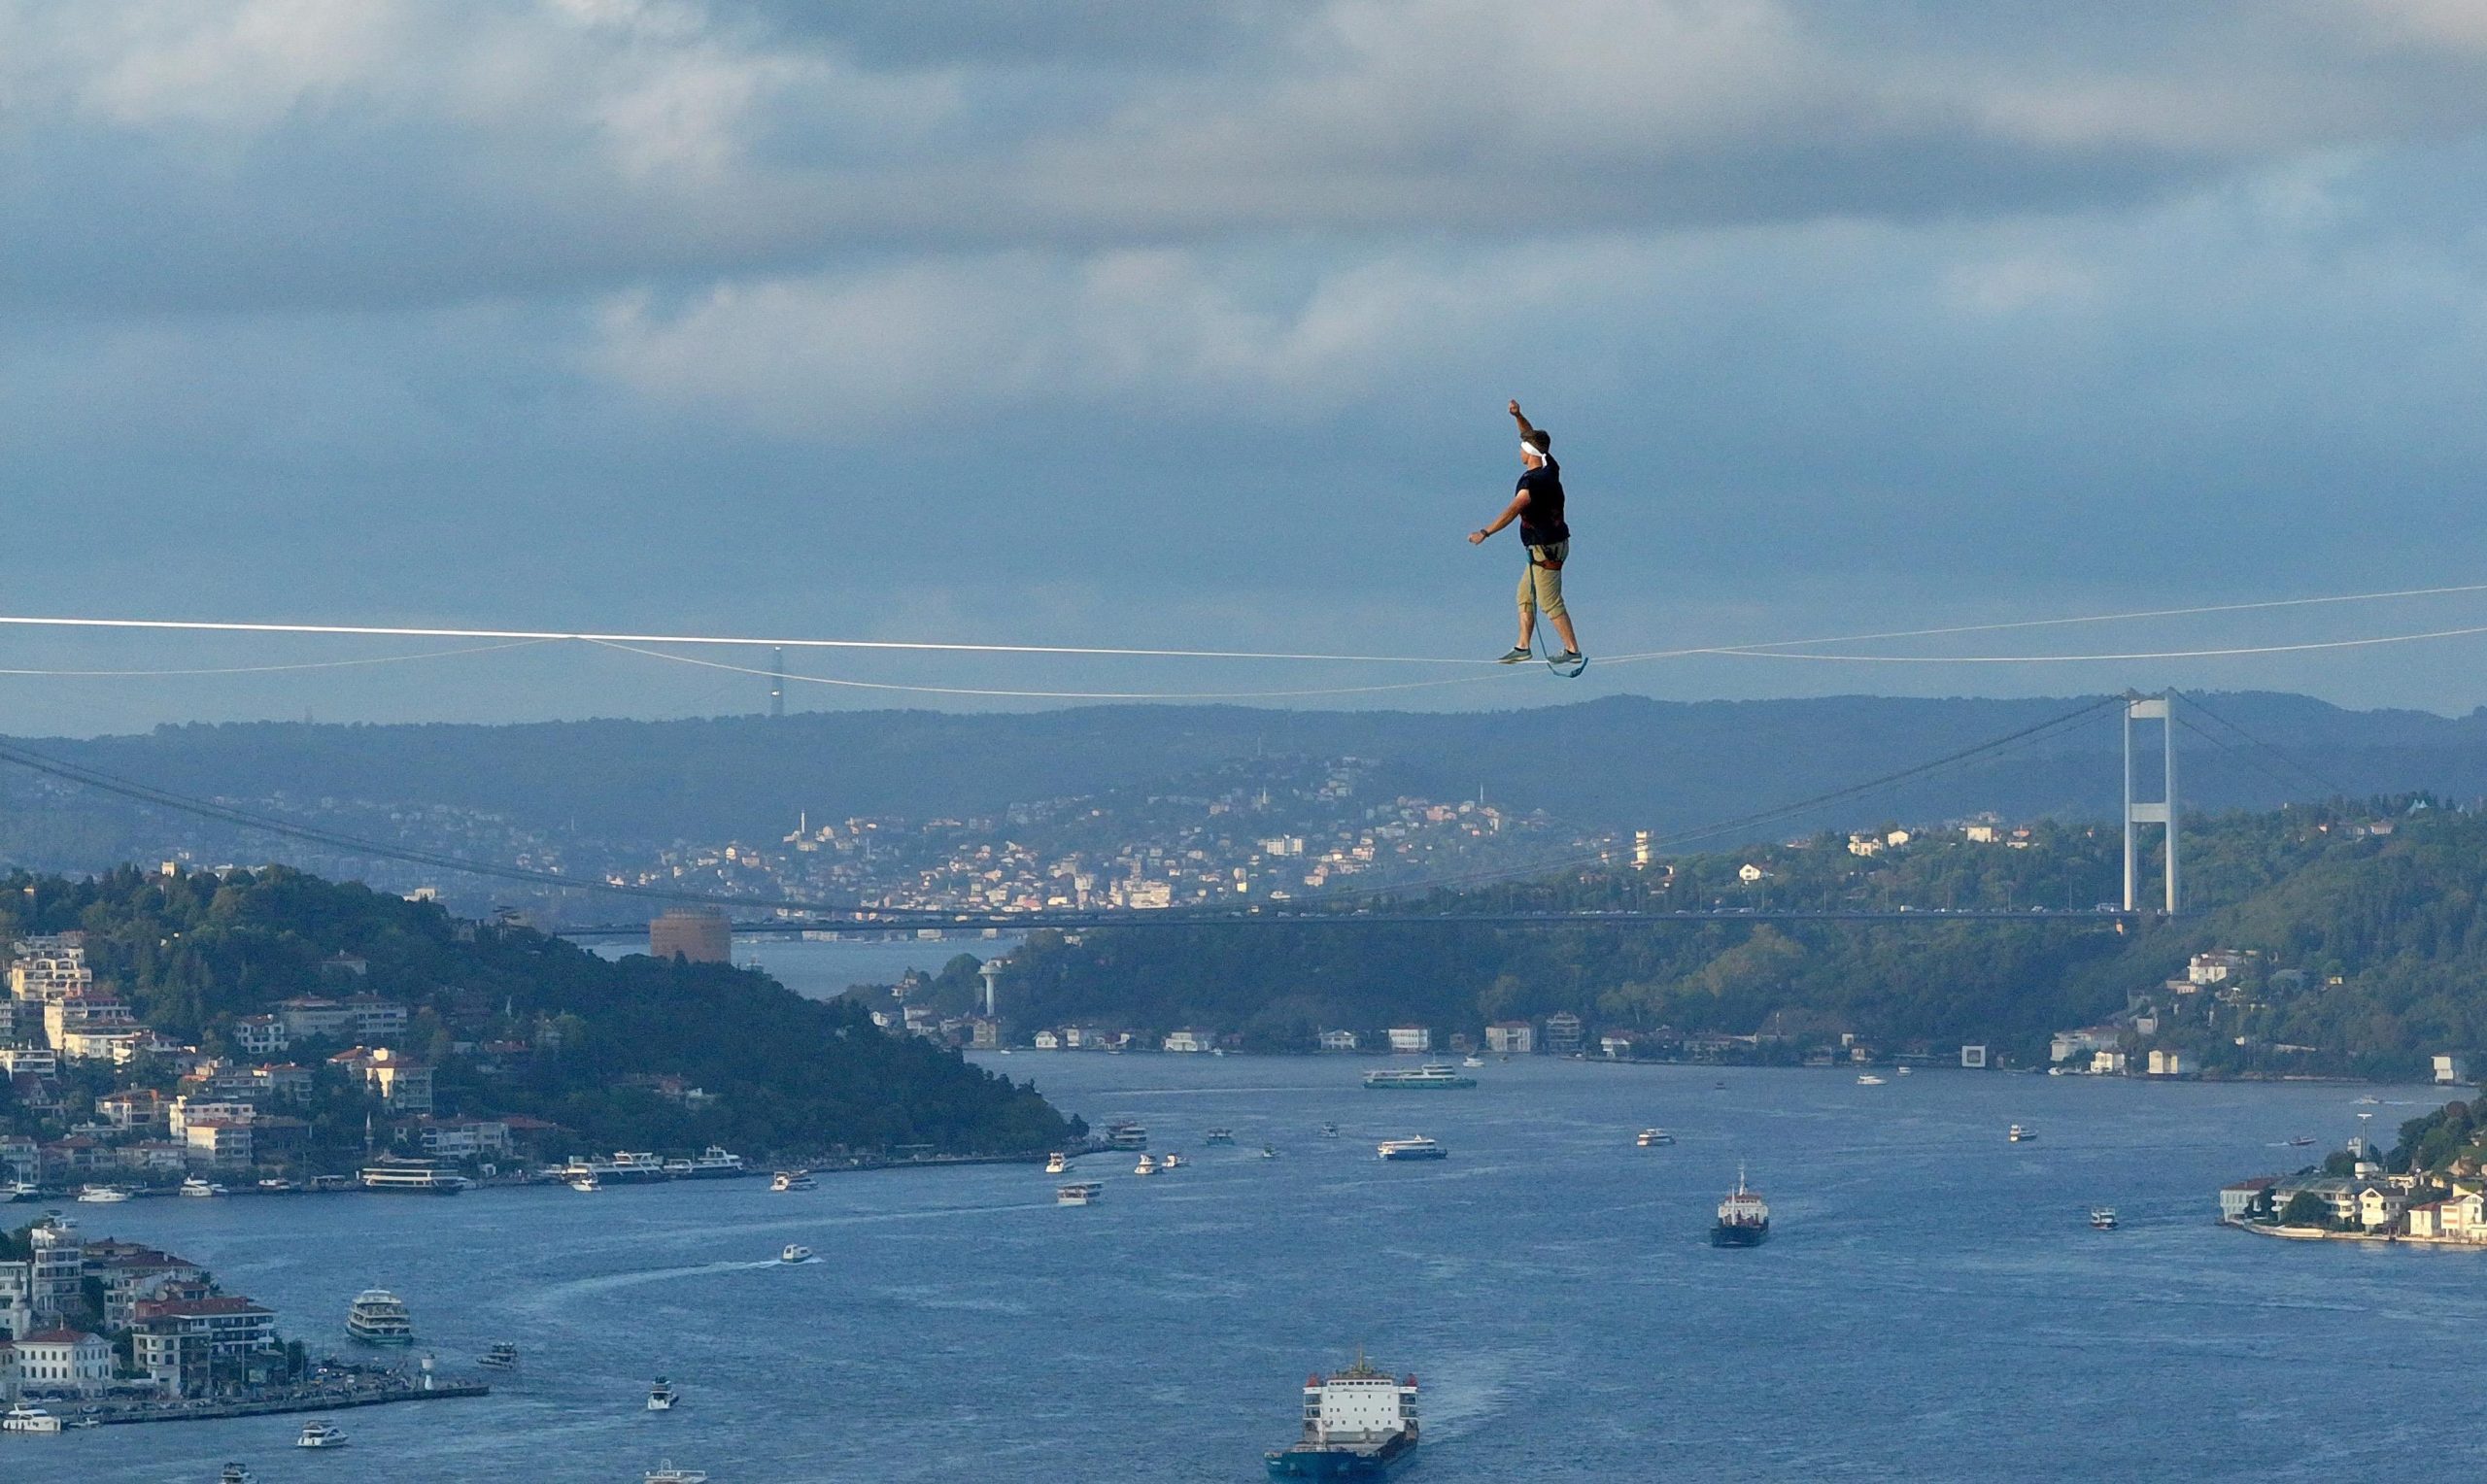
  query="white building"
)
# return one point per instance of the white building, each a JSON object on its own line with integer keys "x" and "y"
{"x": 1338, "y": 1040}
{"x": 1190, "y": 1040}
{"x": 2168, "y": 1063}
{"x": 69, "y": 1361}
{"x": 2449, "y": 1070}
{"x": 1411, "y": 1038}
{"x": 1048, "y": 1040}
{"x": 1511, "y": 1039}
{"x": 261, "y": 1035}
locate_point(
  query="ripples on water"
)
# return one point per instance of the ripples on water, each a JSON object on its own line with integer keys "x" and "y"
{"x": 1932, "y": 1304}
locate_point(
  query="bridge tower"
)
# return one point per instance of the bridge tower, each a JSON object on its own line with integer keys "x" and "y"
{"x": 2163, "y": 812}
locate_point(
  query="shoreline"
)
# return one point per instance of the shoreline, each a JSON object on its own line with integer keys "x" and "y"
{"x": 2325, "y": 1235}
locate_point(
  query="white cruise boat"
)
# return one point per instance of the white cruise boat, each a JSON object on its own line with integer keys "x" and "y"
{"x": 1653, "y": 1139}
{"x": 662, "y": 1397}
{"x": 794, "y": 1252}
{"x": 378, "y": 1317}
{"x": 194, "y": 1186}
{"x": 716, "y": 1163}
{"x": 792, "y": 1180}
{"x": 1417, "y": 1148}
{"x": 22, "y": 1190}
{"x": 1431, "y": 1075}
{"x": 1057, "y": 1164}
{"x": 322, "y": 1435}
{"x": 1172, "y": 1161}
{"x": 103, "y": 1195}
{"x": 503, "y": 1356}
{"x": 667, "y": 1474}
{"x": 1080, "y": 1192}
{"x": 416, "y": 1178}
{"x": 626, "y": 1166}
{"x": 2102, "y": 1218}
{"x": 26, "y": 1417}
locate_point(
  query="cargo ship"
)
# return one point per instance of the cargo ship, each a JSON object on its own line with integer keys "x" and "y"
{"x": 1359, "y": 1423}
{"x": 1744, "y": 1218}
{"x": 1432, "y": 1075}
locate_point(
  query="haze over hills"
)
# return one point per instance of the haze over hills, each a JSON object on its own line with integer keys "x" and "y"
{"x": 1621, "y": 762}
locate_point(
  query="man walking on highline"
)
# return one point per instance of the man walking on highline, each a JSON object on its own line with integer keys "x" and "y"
{"x": 1537, "y": 504}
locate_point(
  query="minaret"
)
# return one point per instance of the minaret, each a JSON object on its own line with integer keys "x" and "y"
{"x": 992, "y": 972}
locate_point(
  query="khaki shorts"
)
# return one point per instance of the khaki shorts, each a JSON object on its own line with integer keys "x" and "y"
{"x": 1541, "y": 582}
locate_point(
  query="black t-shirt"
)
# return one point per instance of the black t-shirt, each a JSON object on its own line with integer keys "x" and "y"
{"x": 1541, "y": 520}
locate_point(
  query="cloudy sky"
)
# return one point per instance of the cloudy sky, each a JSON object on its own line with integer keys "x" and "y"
{"x": 1191, "y": 327}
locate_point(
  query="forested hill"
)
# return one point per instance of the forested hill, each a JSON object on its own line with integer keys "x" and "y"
{"x": 515, "y": 1022}
{"x": 1622, "y": 762}
{"x": 2368, "y": 925}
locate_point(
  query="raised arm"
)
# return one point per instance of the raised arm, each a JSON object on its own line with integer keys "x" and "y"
{"x": 1522, "y": 419}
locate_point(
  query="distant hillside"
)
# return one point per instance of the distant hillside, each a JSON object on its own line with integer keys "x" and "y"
{"x": 1616, "y": 764}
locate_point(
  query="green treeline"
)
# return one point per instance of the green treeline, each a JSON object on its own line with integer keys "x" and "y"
{"x": 517, "y": 1023}
{"x": 2367, "y": 919}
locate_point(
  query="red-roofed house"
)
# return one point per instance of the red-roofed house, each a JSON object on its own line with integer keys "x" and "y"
{"x": 185, "y": 1345}
{"x": 63, "y": 1362}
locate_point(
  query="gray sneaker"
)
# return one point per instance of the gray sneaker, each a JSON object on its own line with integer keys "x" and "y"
{"x": 1515, "y": 656}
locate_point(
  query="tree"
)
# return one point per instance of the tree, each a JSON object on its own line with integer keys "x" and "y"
{"x": 2306, "y": 1209}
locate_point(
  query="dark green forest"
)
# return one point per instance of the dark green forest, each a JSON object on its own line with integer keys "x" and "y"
{"x": 517, "y": 1022}
{"x": 2369, "y": 919}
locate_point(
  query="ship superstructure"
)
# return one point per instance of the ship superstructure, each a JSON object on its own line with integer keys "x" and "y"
{"x": 1358, "y": 1424}
{"x": 1744, "y": 1217}
{"x": 1431, "y": 1076}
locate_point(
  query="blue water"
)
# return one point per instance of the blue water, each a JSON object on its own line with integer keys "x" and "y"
{"x": 1933, "y": 1303}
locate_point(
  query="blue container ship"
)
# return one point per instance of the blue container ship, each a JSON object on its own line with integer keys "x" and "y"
{"x": 1359, "y": 1423}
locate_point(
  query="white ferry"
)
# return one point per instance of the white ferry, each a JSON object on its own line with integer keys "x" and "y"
{"x": 203, "y": 1189}
{"x": 103, "y": 1195}
{"x": 667, "y": 1474}
{"x": 1653, "y": 1139}
{"x": 662, "y": 1397}
{"x": 1426, "y": 1078}
{"x": 503, "y": 1356}
{"x": 418, "y": 1177}
{"x": 794, "y": 1252}
{"x": 1358, "y": 1424}
{"x": 322, "y": 1435}
{"x": 716, "y": 1163}
{"x": 2020, "y": 1133}
{"x": 2102, "y": 1218}
{"x": 628, "y": 1166}
{"x": 1081, "y": 1193}
{"x": 1057, "y": 1164}
{"x": 378, "y": 1317}
{"x": 1127, "y": 1135}
{"x": 792, "y": 1180}
{"x": 26, "y": 1417}
{"x": 1147, "y": 1165}
{"x": 1417, "y": 1148}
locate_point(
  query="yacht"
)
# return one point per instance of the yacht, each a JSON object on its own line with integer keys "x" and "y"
{"x": 22, "y": 1190}
{"x": 667, "y": 1474}
{"x": 194, "y": 1186}
{"x": 792, "y": 1180}
{"x": 26, "y": 1417}
{"x": 1901, "y": 1071}
{"x": 662, "y": 1397}
{"x": 715, "y": 1163}
{"x": 1471, "y": 1059}
{"x": 1868, "y": 1079}
{"x": 321, "y": 1435}
{"x": 236, "y": 1473}
{"x": 1653, "y": 1139}
{"x": 1173, "y": 1160}
{"x": 1057, "y": 1164}
{"x": 1417, "y": 1148}
{"x": 1147, "y": 1165}
{"x": 584, "y": 1183}
{"x": 2102, "y": 1218}
{"x": 378, "y": 1317}
{"x": 1127, "y": 1135}
{"x": 796, "y": 1252}
{"x": 2020, "y": 1133}
{"x": 503, "y": 1356}
{"x": 1082, "y": 1193}
{"x": 101, "y": 1194}
{"x": 1218, "y": 1137}
{"x": 278, "y": 1186}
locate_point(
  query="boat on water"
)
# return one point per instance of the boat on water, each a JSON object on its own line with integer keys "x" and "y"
{"x": 2019, "y": 1134}
{"x": 379, "y": 1317}
{"x": 416, "y": 1178}
{"x": 714, "y": 1163}
{"x": 203, "y": 1189}
{"x": 661, "y": 1395}
{"x": 236, "y": 1473}
{"x": 1127, "y": 1135}
{"x": 1218, "y": 1137}
{"x": 1078, "y": 1193}
{"x": 26, "y": 1417}
{"x": 1744, "y": 1217}
{"x": 2302, "y": 1141}
{"x": 1359, "y": 1423}
{"x": 584, "y": 1184}
{"x": 1653, "y": 1139}
{"x": 792, "y": 1180}
{"x": 2367, "y": 1101}
{"x": 1329, "y": 1131}
{"x": 503, "y": 1356}
{"x": 322, "y": 1435}
{"x": 1147, "y": 1165}
{"x": 1433, "y": 1077}
{"x": 1417, "y": 1148}
{"x": 279, "y": 1186}
{"x": 1269, "y": 1151}
{"x": 667, "y": 1474}
{"x": 1868, "y": 1079}
{"x": 2102, "y": 1218}
{"x": 1472, "y": 1061}
{"x": 1172, "y": 1161}
{"x": 794, "y": 1252}
{"x": 103, "y": 1195}
{"x": 22, "y": 1190}
{"x": 1057, "y": 1164}
{"x": 1899, "y": 1072}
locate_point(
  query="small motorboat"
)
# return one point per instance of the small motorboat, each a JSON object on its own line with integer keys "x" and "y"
{"x": 321, "y": 1435}
{"x": 26, "y": 1417}
{"x": 1868, "y": 1079}
{"x": 1147, "y": 1165}
{"x": 1173, "y": 1160}
{"x": 1269, "y": 1151}
{"x": 236, "y": 1473}
{"x": 2302, "y": 1141}
{"x": 585, "y": 1184}
{"x": 666, "y": 1474}
{"x": 662, "y": 1397}
{"x": 1900, "y": 1071}
{"x": 503, "y": 1356}
{"x": 1472, "y": 1061}
{"x": 796, "y": 1252}
{"x": 1057, "y": 1164}
{"x": 792, "y": 1180}
{"x": 1653, "y": 1139}
{"x": 2102, "y": 1218}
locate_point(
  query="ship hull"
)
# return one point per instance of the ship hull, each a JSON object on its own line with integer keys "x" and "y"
{"x": 1302, "y": 1462}
{"x": 1739, "y": 1236}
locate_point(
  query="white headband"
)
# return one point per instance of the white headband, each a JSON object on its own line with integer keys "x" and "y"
{"x": 1527, "y": 447}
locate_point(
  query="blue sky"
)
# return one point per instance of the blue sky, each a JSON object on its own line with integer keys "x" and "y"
{"x": 1191, "y": 327}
